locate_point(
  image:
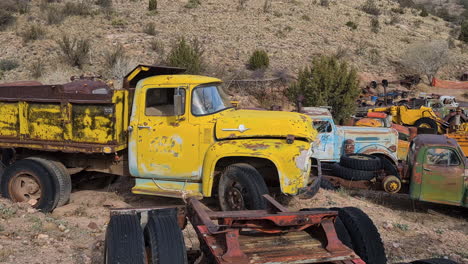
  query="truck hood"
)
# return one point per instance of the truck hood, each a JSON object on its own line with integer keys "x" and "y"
{"x": 263, "y": 124}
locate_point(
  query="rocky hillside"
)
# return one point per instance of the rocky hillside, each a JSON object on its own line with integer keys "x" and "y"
{"x": 291, "y": 31}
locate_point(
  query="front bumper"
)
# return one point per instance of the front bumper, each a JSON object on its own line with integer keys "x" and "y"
{"x": 312, "y": 189}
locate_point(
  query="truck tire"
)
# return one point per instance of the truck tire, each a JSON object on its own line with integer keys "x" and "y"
{"x": 434, "y": 261}
{"x": 124, "y": 242}
{"x": 361, "y": 162}
{"x": 340, "y": 228}
{"x": 327, "y": 185}
{"x": 241, "y": 187}
{"x": 365, "y": 237}
{"x": 426, "y": 122}
{"x": 61, "y": 178}
{"x": 164, "y": 239}
{"x": 389, "y": 168}
{"x": 28, "y": 179}
{"x": 351, "y": 174}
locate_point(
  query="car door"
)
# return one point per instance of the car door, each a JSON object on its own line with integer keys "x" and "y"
{"x": 325, "y": 149}
{"x": 167, "y": 145}
{"x": 442, "y": 179}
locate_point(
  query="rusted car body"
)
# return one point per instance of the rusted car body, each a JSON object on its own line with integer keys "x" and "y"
{"x": 334, "y": 141}
{"x": 436, "y": 170}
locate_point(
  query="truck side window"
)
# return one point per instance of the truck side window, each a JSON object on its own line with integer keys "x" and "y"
{"x": 160, "y": 101}
{"x": 322, "y": 126}
{"x": 442, "y": 157}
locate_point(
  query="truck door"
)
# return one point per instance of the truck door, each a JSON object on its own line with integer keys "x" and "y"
{"x": 325, "y": 151}
{"x": 166, "y": 145}
{"x": 442, "y": 179}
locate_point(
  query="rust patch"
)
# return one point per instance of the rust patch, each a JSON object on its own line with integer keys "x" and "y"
{"x": 257, "y": 146}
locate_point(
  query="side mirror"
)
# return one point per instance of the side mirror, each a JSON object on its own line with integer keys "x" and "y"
{"x": 178, "y": 105}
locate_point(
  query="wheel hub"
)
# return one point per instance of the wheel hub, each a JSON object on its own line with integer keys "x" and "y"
{"x": 24, "y": 187}
{"x": 234, "y": 198}
{"x": 392, "y": 186}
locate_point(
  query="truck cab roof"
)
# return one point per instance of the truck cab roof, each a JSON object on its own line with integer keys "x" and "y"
{"x": 430, "y": 139}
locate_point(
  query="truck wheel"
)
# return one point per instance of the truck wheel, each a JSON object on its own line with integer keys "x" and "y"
{"x": 340, "y": 228}
{"x": 61, "y": 177}
{"x": 327, "y": 185}
{"x": 164, "y": 239}
{"x": 241, "y": 187}
{"x": 364, "y": 235}
{"x": 389, "y": 167}
{"x": 351, "y": 174}
{"x": 29, "y": 181}
{"x": 434, "y": 261}
{"x": 124, "y": 242}
{"x": 426, "y": 122}
{"x": 360, "y": 162}
{"x": 391, "y": 184}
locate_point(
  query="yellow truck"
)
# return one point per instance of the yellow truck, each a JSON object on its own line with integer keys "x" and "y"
{"x": 177, "y": 135}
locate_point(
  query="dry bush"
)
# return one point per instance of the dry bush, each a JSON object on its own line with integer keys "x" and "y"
{"x": 157, "y": 46}
{"x": 75, "y": 51}
{"x": 153, "y": 5}
{"x": 371, "y": 8}
{"x": 54, "y": 14}
{"x": 20, "y": 6}
{"x": 8, "y": 65}
{"x": 241, "y": 4}
{"x": 267, "y": 6}
{"x": 325, "y": 3}
{"x": 33, "y": 32}
{"x": 6, "y": 19}
{"x": 192, "y": 4}
{"x": 150, "y": 29}
{"x": 117, "y": 62}
{"x": 79, "y": 8}
{"x": 375, "y": 25}
{"x": 426, "y": 58}
{"x": 104, "y": 3}
{"x": 37, "y": 69}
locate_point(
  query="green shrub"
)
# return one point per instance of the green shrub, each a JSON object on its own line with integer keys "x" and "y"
{"x": 153, "y": 5}
{"x": 352, "y": 25}
{"x": 188, "y": 55}
{"x": 424, "y": 12}
{"x": 33, "y": 32}
{"x": 8, "y": 65}
{"x": 150, "y": 29}
{"x": 375, "y": 25}
{"x": 193, "y": 4}
{"x": 259, "y": 60}
{"x": 371, "y": 8}
{"x": 328, "y": 81}
{"x": 464, "y": 32}
{"x": 74, "y": 51}
{"x": 6, "y": 19}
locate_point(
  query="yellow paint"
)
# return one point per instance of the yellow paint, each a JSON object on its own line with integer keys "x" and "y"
{"x": 184, "y": 150}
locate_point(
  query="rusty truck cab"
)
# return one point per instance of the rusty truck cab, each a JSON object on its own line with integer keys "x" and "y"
{"x": 436, "y": 168}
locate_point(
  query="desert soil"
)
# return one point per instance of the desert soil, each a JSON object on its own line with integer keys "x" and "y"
{"x": 75, "y": 232}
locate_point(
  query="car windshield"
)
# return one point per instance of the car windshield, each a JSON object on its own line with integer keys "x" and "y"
{"x": 208, "y": 100}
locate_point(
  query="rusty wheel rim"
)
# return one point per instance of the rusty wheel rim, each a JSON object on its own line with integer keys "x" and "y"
{"x": 24, "y": 187}
{"x": 234, "y": 198}
{"x": 425, "y": 126}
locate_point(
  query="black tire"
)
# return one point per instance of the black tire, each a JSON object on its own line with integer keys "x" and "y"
{"x": 246, "y": 183}
{"x": 434, "y": 261}
{"x": 124, "y": 242}
{"x": 389, "y": 167}
{"x": 360, "y": 162}
{"x": 365, "y": 237}
{"x": 340, "y": 228}
{"x": 164, "y": 239}
{"x": 327, "y": 185}
{"x": 61, "y": 178}
{"x": 35, "y": 172}
{"x": 352, "y": 175}
{"x": 426, "y": 121}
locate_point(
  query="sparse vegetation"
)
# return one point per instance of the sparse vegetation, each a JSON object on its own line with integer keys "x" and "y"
{"x": 79, "y": 8}
{"x": 187, "y": 55}
{"x": 402, "y": 227}
{"x": 54, "y": 15}
{"x": 153, "y": 5}
{"x": 75, "y": 51}
{"x": 150, "y": 29}
{"x": 375, "y": 24}
{"x": 19, "y": 6}
{"x": 424, "y": 12}
{"x": 352, "y": 25}
{"x": 398, "y": 10}
{"x": 118, "y": 22}
{"x": 325, "y": 3}
{"x": 37, "y": 69}
{"x": 104, "y": 3}
{"x": 306, "y": 17}
{"x": 8, "y": 65}
{"x": 426, "y": 58}
{"x": 117, "y": 62}
{"x": 328, "y": 81}
{"x": 371, "y": 8}
{"x": 157, "y": 46}
{"x": 6, "y": 19}
{"x": 267, "y": 6}
{"x": 464, "y": 32}
{"x": 259, "y": 60}
{"x": 33, "y": 32}
{"x": 192, "y": 4}
{"x": 241, "y": 4}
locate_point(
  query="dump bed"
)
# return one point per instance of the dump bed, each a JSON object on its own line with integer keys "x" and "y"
{"x": 81, "y": 116}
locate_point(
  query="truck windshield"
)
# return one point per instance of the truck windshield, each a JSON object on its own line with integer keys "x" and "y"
{"x": 208, "y": 100}
{"x": 322, "y": 126}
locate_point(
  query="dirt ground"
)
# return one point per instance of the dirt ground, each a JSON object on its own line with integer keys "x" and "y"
{"x": 75, "y": 232}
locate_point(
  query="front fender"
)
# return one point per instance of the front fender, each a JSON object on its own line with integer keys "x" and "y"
{"x": 379, "y": 149}
{"x": 292, "y": 161}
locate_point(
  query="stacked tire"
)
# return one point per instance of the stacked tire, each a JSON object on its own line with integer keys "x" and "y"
{"x": 357, "y": 167}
